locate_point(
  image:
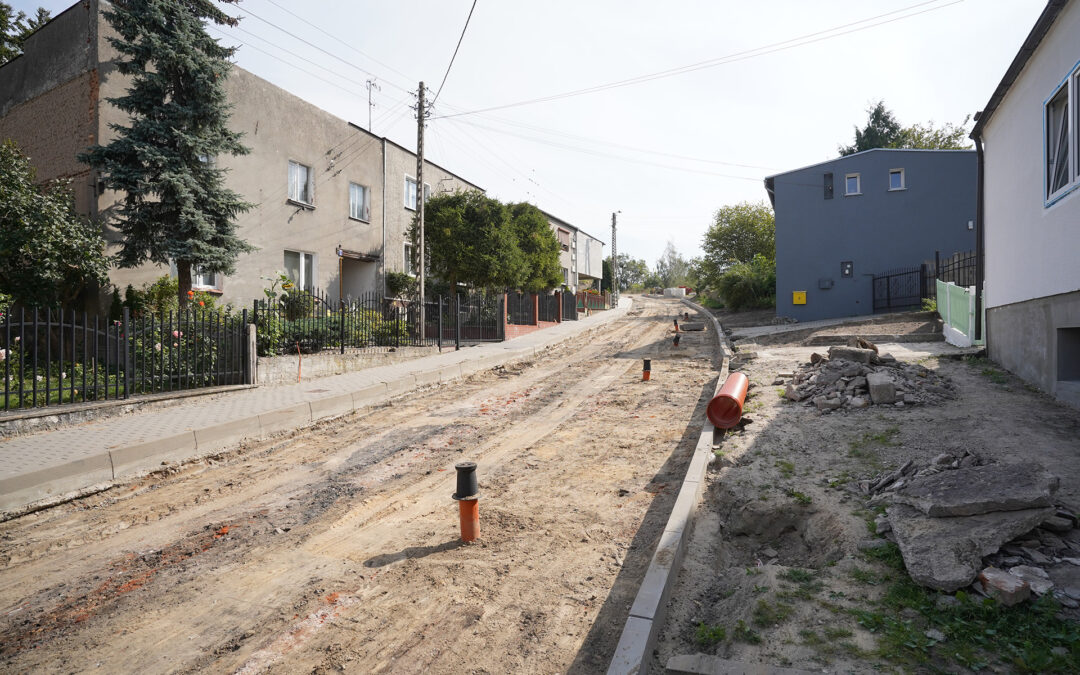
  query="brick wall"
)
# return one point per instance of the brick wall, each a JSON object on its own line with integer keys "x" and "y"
{"x": 51, "y": 129}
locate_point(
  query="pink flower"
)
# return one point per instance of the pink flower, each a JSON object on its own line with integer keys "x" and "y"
{"x": 176, "y": 333}
{"x": 175, "y": 345}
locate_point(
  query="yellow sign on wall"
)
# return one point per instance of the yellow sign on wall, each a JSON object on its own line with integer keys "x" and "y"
{"x": 798, "y": 297}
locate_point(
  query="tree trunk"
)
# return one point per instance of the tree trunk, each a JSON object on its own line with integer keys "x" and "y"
{"x": 183, "y": 276}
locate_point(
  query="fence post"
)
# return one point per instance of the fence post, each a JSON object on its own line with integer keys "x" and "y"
{"x": 439, "y": 341}
{"x": 127, "y": 352}
{"x": 457, "y": 320}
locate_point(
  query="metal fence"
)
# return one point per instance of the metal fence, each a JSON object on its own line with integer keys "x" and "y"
{"x": 468, "y": 317}
{"x": 957, "y": 269}
{"x": 906, "y": 288}
{"x": 593, "y": 301}
{"x": 547, "y": 307}
{"x": 53, "y": 357}
{"x": 519, "y": 309}
{"x": 569, "y": 306}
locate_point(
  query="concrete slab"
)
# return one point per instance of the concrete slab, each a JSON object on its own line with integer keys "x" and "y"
{"x": 226, "y": 434}
{"x": 448, "y": 373}
{"x": 980, "y": 489}
{"x": 285, "y": 418}
{"x": 399, "y": 385}
{"x": 682, "y": 512}
{"x": 636, "y": 641}
{"x": 368, "y": 396}
{"x": 426, "y": 377}
{"x": 54, "y": 481}
{"x": 333, "y": 406}
{"x": 148, "y": 456}
{"x": 655, "y": 587}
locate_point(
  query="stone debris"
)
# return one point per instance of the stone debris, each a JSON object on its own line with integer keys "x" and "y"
{"x": 862, "y": 343}
{"x": 1036, "y": 577}
{"x": 973, "y": 490}
{"x": 856, "y": 377}
{"x": 1004, "y": 587}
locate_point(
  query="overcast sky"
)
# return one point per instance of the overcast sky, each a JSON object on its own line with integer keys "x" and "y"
{"x": 666, "y": 152}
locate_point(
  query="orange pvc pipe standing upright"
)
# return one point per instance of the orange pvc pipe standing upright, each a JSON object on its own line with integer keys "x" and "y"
{"x": 725, "y": 410}
{"x": 469, "y": 512}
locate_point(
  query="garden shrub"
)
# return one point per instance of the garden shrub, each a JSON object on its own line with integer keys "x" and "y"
{"x": 749, "y": 285}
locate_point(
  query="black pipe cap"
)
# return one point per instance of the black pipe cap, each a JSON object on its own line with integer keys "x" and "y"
{"x": 467, "y": 487}
{"x": 648, "y": 364}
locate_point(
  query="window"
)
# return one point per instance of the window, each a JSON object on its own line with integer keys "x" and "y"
{"x": 565, "y": 277}
{"x": 896, "y": 180}
{"x": 205, "y": 280}
{"x": 301, "y": 188}
{"x": 410, "y": 192}
{"x": 564, "y": 238}
{"x": 847, "y": 269}
{"x": 828, "y": 185}
{"x": 852, "y": 184}
{"x": 408, "y": 263}
{"x": 359, "y": 208}
{"x": 1061, "y": 139}
{"x": 300, "y": 268}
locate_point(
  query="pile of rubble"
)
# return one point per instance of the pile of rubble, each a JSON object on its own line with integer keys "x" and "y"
{"x": 858, "y": 376}
{"x": 959, "y": 522}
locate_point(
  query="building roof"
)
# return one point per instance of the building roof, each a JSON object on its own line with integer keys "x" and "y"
{"x": 1031, "y": 43}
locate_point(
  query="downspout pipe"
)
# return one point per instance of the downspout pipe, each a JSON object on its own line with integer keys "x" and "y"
{"x": 980, "y": 233}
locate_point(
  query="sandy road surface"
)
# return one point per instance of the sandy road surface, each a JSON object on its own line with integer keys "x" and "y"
{"x": 335, "y": 549}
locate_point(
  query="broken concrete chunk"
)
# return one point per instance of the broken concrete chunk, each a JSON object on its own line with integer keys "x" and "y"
{"x": 816, "y": 358}
{"x": 824, "y": 403}
{"x": 1004, "y": 587}
{"x": 882, "y": 389}
{"x": 1036, "y": 577}
{"x": 859, "y": 402}
{"x": 981, "y": 489}
{"x": 850, "y": 354}
{"x": 947, "y": 553}
{"x": 792, "y": 393}
{"x": 1057, "y": 524}
{"x": 862, "y": 343}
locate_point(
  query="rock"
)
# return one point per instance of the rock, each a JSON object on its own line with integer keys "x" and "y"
{"x": 1068, "y": 602}
{"x": 1056, "y": 523}
{"x": 850, "y": 354}
{"x": 816, "y": 358}
{"x": 778, "y": 381}
{"x": 881, "y": 387}
{"x": 850, "y": 370}
{"x": 947, "y": 553}
{"x": 1012, "y": 560}
{"x": 942, "y": 460}
{"x": 899, "y": 404}
{"x": 935, "y": 635}
{"x": 792, "y": 393}
{"x": 858, "y": 382}
{"x": 946, "y": 602}
{"x": 884, "y": 359}
{"x": 968, "y": 460}
{"x": 981, "y": 489}
{"x": 881, "y": 524}
{"x": 824, "y": 403}
{"x": 1036, "y": 556}
{"x": 786, "y": 374}
{"x": 862, "y": 343}
{"x": 1007, "y": 589}
{"x": 1036, "y": 577}
{"x": 859, "y": 402}
{"x": 1073, "y": 592}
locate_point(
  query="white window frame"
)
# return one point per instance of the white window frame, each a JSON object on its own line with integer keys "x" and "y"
{"x": 309, "y": 268}
{"x": 205, "y": 281}
{"x": 903, "y": 180}
{"x": 409, "y": 180}
{"x": 364, "y": 212}
{"x": 1071, "y": 86}
{"x": 309, "y": 187}
{"x": 406, "y": 259}
{"x": 858, "y": 184}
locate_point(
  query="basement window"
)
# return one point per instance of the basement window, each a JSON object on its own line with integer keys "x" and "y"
{"x": 1068, "y": 354}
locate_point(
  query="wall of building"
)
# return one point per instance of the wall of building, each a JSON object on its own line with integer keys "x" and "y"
{"x": 877, "y": 230}
{"x": 1022, "y": 234}
{"x": 590, "y": 256}
{"x": 1032, "y": 286}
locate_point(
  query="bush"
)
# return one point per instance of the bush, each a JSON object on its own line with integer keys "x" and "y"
{"x": 749, "y": 285}
{"x": 929, "y": 304}
{"x": 399, "y": 283}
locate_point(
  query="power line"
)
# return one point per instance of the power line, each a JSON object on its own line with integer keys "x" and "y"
{"x": 723, "y": 60}
{"x": 462, "y": 37}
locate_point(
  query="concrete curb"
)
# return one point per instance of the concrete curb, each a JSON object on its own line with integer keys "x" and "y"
{"x": 55, "y": 484}
{"x": 647, "y": 614}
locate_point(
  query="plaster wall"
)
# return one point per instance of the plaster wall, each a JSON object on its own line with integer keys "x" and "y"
{"x": 590, "y": 256}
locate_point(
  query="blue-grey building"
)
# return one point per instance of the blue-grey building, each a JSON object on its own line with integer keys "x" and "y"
{"x": 839, "y": 223}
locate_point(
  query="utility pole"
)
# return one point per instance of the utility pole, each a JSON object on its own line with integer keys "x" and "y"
{"x": 420, "y": 114}
{"x": 614, "y": 263}
{"x": 371, "y": 85}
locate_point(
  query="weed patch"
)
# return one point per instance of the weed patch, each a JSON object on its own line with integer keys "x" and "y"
{"x": 771, "y": 614}
{"x": 708, "y": 636}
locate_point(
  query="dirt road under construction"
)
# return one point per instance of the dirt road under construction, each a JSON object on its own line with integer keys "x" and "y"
{"x": 336, "y": 548}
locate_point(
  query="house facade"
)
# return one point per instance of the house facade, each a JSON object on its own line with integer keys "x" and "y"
{"x": 333, "y": 202}
{"x": 1029, "y": 136}
{"x": 581, "y": 255}
{"x": 839, "y": 223}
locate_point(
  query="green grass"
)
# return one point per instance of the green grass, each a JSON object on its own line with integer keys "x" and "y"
{"x": 865, "y": 576}
{"x": 771, "y": 613}
{"x": 798, "y": 576}
{"x": 994, "y": 375}
{"x": 806, "y": 584}
{"x": 979, "y": 632}
{"x": 708, "y": 636}
{"x": 744, "y": 633}
{"x": 787, "y": 469}
{"x": 800, "y": 497}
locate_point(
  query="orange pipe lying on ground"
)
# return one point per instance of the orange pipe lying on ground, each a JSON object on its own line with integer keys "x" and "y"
{"x": 469, "y": 510}
{"x": 725, "y": 410}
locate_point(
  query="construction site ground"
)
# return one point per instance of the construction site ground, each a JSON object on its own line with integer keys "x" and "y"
{"x": 774, "y": 574}
{"x": 336, "y": 548}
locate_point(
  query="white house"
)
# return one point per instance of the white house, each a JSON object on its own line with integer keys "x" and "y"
{"x": 1028, "y": 140}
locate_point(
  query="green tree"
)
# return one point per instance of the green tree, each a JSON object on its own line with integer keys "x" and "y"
{"x": 739, "y": 232}
{"x": 470, "y": 239}
{"x": 606, "y": 281}
{"x": 15, "y": 27}
{"x": 176, "y": 206}
{"x": 928, "y": 137}
{"x": 881, "y": 131}
{"x": 632, "y": 271}
{"x": 539, "y": 248}
{"x": 671, "y": 268}
{"x": 749, "y": 285}
{"x": 48, "y": 253}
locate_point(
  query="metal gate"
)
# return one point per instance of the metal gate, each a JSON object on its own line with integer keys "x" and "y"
{"x": 900, "y": 289}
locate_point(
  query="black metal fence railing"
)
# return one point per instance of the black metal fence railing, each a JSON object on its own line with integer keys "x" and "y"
{"x": 53, "y": 357}
{"x": 519, "y": 309}
{"x": 569, "y": 306}
{"x": 906, "y": 288}
{"x": 958, "y": 268}
{"x": 473, "y": 317}
{"x": 547, "y": 307}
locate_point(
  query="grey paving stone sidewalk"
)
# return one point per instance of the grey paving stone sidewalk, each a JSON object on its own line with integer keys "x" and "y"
{"x": 52, "y": 463}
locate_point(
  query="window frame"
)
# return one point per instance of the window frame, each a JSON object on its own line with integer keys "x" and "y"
{"x": 1071, "y": 85}
{"x": 903, "y": 180}
{"x": 215, "y": 277}
{"x": 309, "y": 262}
{"x": 858, "y": 184}
{"x": 309, "y": 186}
{"x": 406, "y": 259}
{"x": 365, "y": 207}
{"x": 427, "y": 192}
